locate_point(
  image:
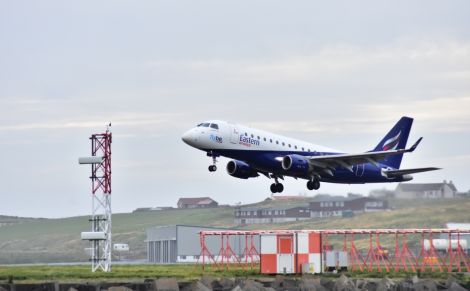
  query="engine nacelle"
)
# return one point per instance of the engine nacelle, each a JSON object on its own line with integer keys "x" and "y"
{"x": 241, "y": 170}
{"x": 296, "y": 165}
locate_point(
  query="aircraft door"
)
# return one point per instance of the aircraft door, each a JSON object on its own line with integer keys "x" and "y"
{"x": 234, "y": 134}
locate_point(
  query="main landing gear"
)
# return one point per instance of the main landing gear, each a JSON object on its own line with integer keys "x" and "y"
{"x": 277, "y": 187}
{"x": 313, "y": 184}
{"x": 213, "y": 167}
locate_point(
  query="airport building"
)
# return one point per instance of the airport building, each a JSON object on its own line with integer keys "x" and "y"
{"x": 181, "y": 243}
{"x": 322, "y": 206}
{"x": 254, "y": 215}
{"x": 329, "y": 206}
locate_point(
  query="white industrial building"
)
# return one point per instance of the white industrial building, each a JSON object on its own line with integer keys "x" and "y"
{"x": 181, "y": 243}
{"x": 462, "y": 236}
{"x": 426, "y": 190}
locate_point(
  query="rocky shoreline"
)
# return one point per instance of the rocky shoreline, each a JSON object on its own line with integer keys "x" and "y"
{"x": 306, "y": 283}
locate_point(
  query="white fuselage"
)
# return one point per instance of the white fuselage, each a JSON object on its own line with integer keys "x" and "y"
{"x": 231, "y": 136}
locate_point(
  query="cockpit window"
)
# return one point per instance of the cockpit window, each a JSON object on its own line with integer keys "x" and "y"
{"x": 205, "y": 124}
{"x": 214, "y": 126}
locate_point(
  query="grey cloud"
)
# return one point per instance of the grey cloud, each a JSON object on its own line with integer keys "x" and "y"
{"x": 336, "y": 73}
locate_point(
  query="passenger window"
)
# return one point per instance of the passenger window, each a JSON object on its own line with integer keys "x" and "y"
{"x": 303, "y": 149}
{"x": 258, "y": 137}
{"x": 283, "y": 144}
{"x": 277, "y": 142}
{"x": 264, "y": 138}
{"x": 308, "y": 149}
{"x": 295, "y": 147}
{"x": 271, "y": 140}
{"x": 246, "y": 134}
{"x": 214, "y": 126}
{"x": 252, "y": 136}
{"x": 289, "y": 145}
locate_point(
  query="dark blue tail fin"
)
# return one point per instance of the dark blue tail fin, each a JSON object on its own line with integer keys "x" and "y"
{"x": 395, "y": 139}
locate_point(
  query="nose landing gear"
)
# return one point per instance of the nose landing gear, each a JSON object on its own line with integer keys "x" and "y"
{"x": 213, "y": 167}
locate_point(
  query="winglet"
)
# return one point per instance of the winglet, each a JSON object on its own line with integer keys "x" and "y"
{"x": 413, "y": 147}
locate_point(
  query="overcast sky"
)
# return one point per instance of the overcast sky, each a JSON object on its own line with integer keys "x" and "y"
{"x": 336, "y": 73}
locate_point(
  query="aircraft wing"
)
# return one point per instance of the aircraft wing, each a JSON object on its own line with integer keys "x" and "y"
{"x": 347, "y": 161}
{"x": 397, "y": 173}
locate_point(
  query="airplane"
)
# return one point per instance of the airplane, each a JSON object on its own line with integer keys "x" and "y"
{"x": 254, "y": 152}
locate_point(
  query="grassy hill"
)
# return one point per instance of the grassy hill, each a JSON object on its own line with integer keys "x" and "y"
{"x": 58, "y": 240}
{"x": 9, "y": 220}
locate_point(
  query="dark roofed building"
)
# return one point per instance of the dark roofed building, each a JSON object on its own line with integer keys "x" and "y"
{"x": 426, "y": 190}
{"x": 257, "y": 215}
{"x": 197, "y": 202}
{"x": 320, "y": 206}
{"x": 327, "y": 206}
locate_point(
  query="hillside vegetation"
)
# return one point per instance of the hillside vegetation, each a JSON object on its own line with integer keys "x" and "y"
{"x": 58, "y": 240}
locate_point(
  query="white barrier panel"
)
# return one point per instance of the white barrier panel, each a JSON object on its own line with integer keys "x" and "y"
{"x": 93, "y": 235}
{"x": 443, "y": 244}
{"x": 121, "y": 247}
{"x": 90, "y": 160}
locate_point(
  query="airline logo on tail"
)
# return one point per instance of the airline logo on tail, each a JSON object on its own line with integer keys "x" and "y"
{"x": 392, "y": 143}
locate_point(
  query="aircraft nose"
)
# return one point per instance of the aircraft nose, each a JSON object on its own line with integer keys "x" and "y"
{"x": 188, "y": 137}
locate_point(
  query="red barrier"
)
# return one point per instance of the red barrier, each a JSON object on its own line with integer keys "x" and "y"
{"x": 377, "y": 258}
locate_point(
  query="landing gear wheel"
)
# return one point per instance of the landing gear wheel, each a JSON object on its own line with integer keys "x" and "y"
{"x": 277, "y": 188}
{"x": 316, "y": 184}
{"x": 273, "y": 188}
{"x": 313, "y": 185}
{"x": 310, "y": 185}
{"x": 212, "y": 168}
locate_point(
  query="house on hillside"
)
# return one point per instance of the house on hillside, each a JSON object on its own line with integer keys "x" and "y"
{"x": 327, "y": 206}
{"x": 198, "y": 202}
{"x": 426, "y": 190}
{"x": 257, "y": 215}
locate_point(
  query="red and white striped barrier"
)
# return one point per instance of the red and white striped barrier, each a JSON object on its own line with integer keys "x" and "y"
{"x": 289, "y": 253}
{"x": 309, "y": 253}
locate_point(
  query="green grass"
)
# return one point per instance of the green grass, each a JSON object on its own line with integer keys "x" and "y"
{"x": 119, "y": 272}
{"x": 132, "y": 273}
{"x": 416, "y": 214}
{"x": 58, "y": 240}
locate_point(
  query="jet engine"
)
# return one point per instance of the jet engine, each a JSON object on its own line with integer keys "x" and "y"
{"x": 296, "y": 164}
{"x": 241, "y": 170}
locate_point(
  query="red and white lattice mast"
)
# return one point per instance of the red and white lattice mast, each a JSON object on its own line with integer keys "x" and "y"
{"x": 100, "y": 234}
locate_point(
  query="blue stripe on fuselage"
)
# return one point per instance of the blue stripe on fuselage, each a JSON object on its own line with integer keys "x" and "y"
{"x": 265, "y": 161}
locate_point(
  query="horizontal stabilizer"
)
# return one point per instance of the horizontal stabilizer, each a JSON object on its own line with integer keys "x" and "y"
{"x": 396, "y": 173}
